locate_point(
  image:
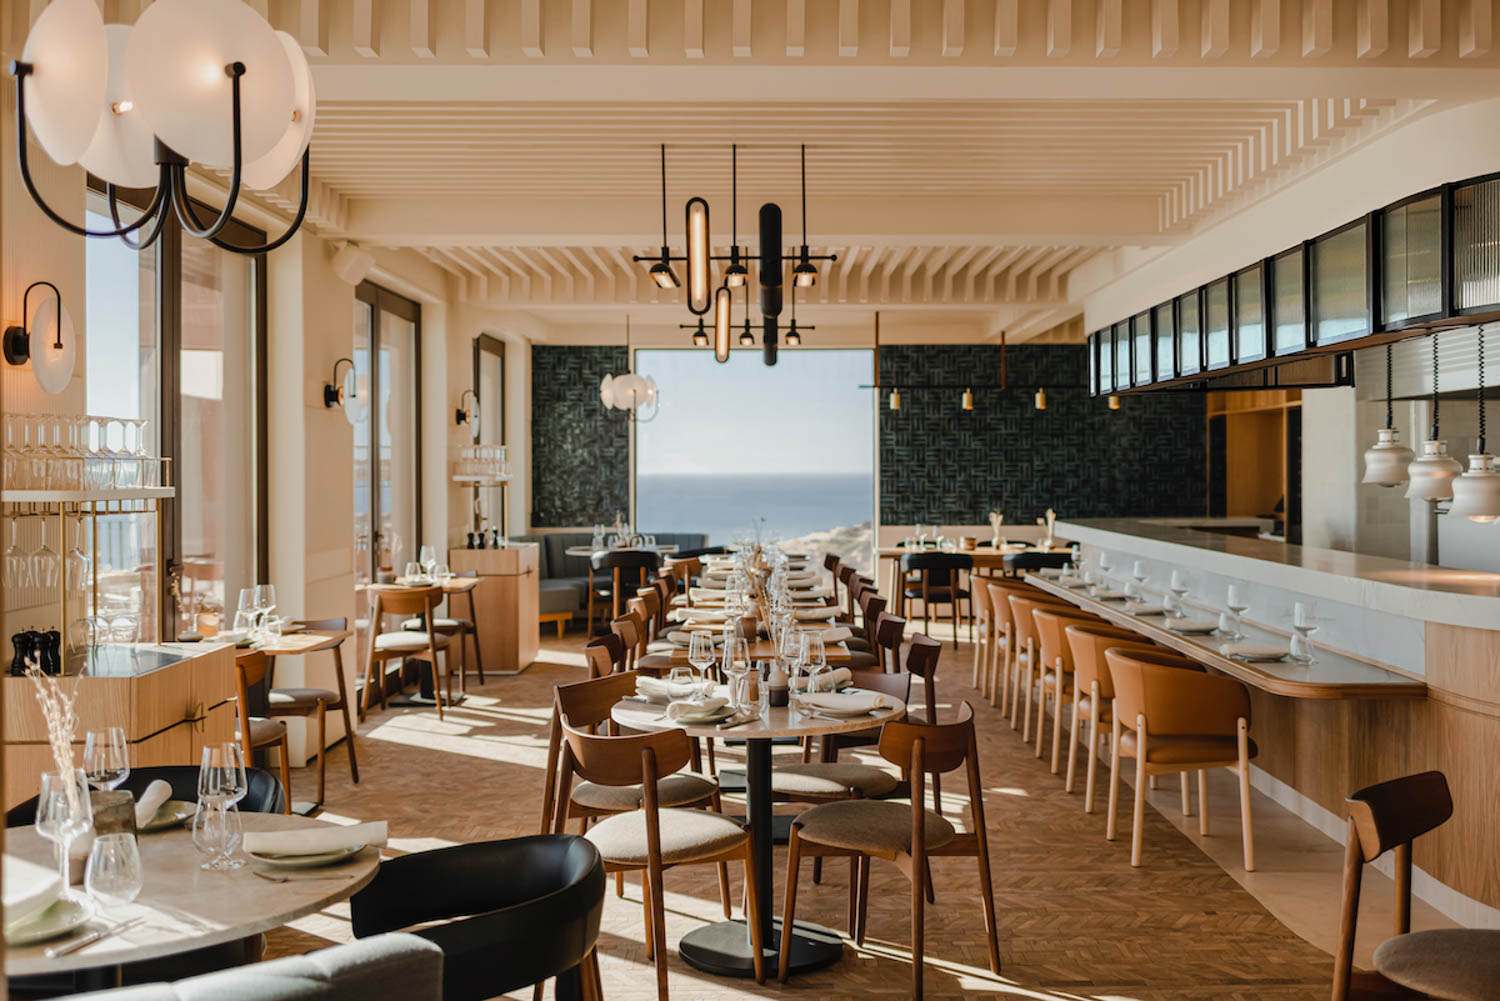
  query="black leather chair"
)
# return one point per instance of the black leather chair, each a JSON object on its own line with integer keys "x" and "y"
{"x": 940, "y": 582}
{"x": 623, "y": 570}
{"x": 263, "y": 795}
{"x": 515, "y": 912}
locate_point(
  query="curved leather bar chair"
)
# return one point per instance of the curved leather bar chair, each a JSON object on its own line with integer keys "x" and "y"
{"x": 1180, "y": 719}
{"x": 941, "y": 582}
{"x": 1094, "y": 691}
{"x": 1055, "y": 658}
{"x": 263, "y": 795}
{"x": 514, "y": 912}
{"x": 1026, "y": 662}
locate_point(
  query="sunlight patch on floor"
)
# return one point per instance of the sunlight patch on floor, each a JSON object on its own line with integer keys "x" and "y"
{"x": 561, "y": 658}
{"x": 530, "y": 752}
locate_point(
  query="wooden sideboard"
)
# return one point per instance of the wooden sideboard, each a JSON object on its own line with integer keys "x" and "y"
{"x": 506, "y": 603}
{"x": 172, "y": 700}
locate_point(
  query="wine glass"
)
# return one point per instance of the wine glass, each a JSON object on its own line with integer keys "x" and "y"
{"x": 427, "y": 556}
{"x": 1178, "y": 587}
{"x": 63, "y": 812}
{"x": 222, "y": 784}
{"x": 106, "y": 760}
{"x": 1304, "y": 624}
{"x": 114, "y": 875}
{"x": 45, "y": 563}
{"x": 1237, "y": 604}
{"x": 17, "y": 560}
{"x": 1138, "y": 577}
{"x": 264, "y": 599}
{"x": 701, "y": 651}
{"x": 412, "y": 572}
{"x": 78, "y": 559}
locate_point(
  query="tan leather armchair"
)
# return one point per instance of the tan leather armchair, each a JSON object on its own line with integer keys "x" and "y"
{"x": 1182, "y": 720}
{"x": 1026, "y": 658}
{"x": 1056, "y": 668}
{"x": 1094, "y": 691}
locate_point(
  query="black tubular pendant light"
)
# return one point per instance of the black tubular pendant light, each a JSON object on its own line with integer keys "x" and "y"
{"x": 805, "y": 274}
{"x": 699, "y": 284}
{"x": 770, "y": 259}
{"x": 747, "y": 339}
{"x": 661, "y": 271}
{"x": 736, "y": 274}
{"x": 723, "y": 299}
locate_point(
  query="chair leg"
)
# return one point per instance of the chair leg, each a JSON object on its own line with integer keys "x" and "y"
{"x": 974, "y": 682}
{"x": 322, "y": 747}
{"x": 536, "y": 990}
{"x": 286, "y": 775}
{"x": 478, "y": 653}
{"x": 1114, "y": 777}
{"x": 953, "y": 618}
{"x": 724, "y": 890}
{"x": 817, "y": 869}
{"x": 596, "y": 982}
{"x": 1244, "y": 775}
{"x": 1057, "y": 722}
{"x": 620, "y": 885}
{"x": 789, "y": 906}
{"x": 1187, "y": 799}
{"x": 864, "y": 898}
{"x": 918, "y": 917}
{"x": 1073, "y": 735}
{"x": 752, "y": 918}
{"x": 1203, "y": 802}
{"x": 1138, "y": 815}
{"x": 1041, "y": 711}
{"x": 1092, "y": 765}
{"x": 364, "y": 703}
{"x": 338, "y": 665}
{"x": 1028, "y": 684}
{"x": 991, "y": 922}
{"x": 647, "y": 916}
{"x": 853, "y": 894}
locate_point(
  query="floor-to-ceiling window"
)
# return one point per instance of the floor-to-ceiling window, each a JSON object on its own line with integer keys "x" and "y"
{"x": 789, "y": 447}
{"x": 175, "y": 338}
{"x": 387, "y": 490}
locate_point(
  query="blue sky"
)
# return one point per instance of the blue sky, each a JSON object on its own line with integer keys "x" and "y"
{"x": 806, "y": 414}
{"x": 112, "y": 332}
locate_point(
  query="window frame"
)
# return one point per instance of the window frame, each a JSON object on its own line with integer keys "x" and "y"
{"x": 381, "y": 299}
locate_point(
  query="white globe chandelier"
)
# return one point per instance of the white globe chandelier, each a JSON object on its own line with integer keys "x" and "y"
{"x": 194, "y": 81}
{"x": 629, "y": 393}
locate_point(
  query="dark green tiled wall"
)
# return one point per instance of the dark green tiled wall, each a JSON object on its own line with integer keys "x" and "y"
{"x": 580, "y": 457}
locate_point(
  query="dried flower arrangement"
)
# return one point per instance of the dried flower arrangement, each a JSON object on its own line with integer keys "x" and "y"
{"x": 62, "y": 721}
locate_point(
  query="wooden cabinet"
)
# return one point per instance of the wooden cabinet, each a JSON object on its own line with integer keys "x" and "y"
{"x": 506, "y": 603}
{"x": 1255, "y": 456}
{"x": 168, "y": 713}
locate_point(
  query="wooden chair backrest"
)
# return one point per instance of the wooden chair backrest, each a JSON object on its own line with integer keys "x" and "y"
{"x": 250, "y": 669}
{"x": 922, "y": 661}
{"x": 586, "y": 704}
{"x": 831, "y": 564}
{"x": 1088, "y": 641}
{"x": 633, "y": 759}
{"x": 628, "y": 629}
{"x": 889, "y": 631}
{"x": 1023, "y": 623}
{"x": 648, "y": 602}
{"x": 979, "y": 595}
{"x": 605, "y": 654}
{"x": 404, "y": 601}
{"x": 1050, "y": 623}
{"x": 895, "y": 685}
{"x": 945, "y": 746}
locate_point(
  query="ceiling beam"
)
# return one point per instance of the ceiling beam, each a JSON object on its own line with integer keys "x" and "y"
{"x": 848, "y": 29}
{"x": 692, "y": 29}
{"x": 796, "y": 28}
{"x": 900, "y": 29}
{"x": 1007, "y": 28}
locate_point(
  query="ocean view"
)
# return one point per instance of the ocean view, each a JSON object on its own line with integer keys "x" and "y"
{"x": 793, "y": 505}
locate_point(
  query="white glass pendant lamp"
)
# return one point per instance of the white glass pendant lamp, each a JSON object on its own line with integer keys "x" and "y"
{"x": 1476, "y": 493}
{"x": 1387, "y": 460}
{"x": 1433, "y": 471}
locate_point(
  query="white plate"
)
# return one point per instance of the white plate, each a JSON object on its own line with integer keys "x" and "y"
{"x": 1254, "y": 654}
{"x": 1192, "y": 626}
{"x": 312, "y": 861}
{"x": 65, "y": 915}
{"x": 1142, "y": 608}
{"x": 721, "y": 713}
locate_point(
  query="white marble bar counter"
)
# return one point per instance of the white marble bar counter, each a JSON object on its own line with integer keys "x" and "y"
{"x": 1375, "y": 583}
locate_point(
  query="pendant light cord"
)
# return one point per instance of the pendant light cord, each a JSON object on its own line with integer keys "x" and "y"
{"x": 804, "y": 194}
{"x": 663, "y": 194}
{"x": 734, "y": 198}
{"x": 1389, "y": 417}
{"x": 1481, "y": 388}
{"x": 1434, "y": 387}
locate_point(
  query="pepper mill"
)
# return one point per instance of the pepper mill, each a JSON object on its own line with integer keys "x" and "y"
{"x": 49, "y": 651}
{"x": 24, "y": 645}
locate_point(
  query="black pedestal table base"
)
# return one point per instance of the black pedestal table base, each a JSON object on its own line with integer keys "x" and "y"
{"x": 723, "y": 949}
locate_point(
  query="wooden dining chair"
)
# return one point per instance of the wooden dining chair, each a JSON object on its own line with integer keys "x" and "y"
{"x": 654, "y": 838}
{"x": 314, "y": 703}
{"x": 872, "y": 605}
{"x": 1055, "y": 658}
{"x": 1385, "y": 817}
{"x": 422, "y": 646}
{"x": 631, "y": 628}
{"x": 1182, "y": 719}
{"x": 258, "y": 732}
{"x": 605, "y": 655}
{"x": 1094, "y": 692}
{"x": 903, "y": 833}
{"x": 884, "y": 653}
{"x": 463, "y": 627}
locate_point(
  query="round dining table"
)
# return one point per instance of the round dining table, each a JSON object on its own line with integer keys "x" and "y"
{"x": 182, "y": 906}
{"x": 723, "y": 948}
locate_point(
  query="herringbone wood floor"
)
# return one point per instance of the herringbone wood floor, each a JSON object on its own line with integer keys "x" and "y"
{"x": 1076, "y": 921}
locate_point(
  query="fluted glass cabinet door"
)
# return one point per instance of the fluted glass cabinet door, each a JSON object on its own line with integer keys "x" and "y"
{"x": 1216, "y": 324}
{"x": 1412, "y": 265}
{"x": 1340, "y": 285}
{"x": 1288, "y": 303}
{"x": 1166, "y": 343}
{"x": 1476, "y": 245}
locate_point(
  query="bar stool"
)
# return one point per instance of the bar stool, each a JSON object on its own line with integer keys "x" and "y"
{"x": 408, "y": 644}
{"x": 1094, "y": 691}
{"x": 1007, "y": 648}
{"x": 258, "y": 732}
{"x": 1184, "y": 720}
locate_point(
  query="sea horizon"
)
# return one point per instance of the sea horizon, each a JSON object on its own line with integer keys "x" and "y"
{"x": 722, "y": 505}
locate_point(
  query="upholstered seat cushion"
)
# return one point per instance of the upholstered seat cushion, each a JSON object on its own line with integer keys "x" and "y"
{"x": 858, "y": 643}
{"x": 1183, "y": 749}
{"x": 870, "y": 825}
{"x": 861, "y": 660}
{"x": 662, "y": 646}
{"x": 265, "y": 731}
{"x": 685, "y": 835}
{"x": 674, "y": 790}
{"x": 658, "y": 660}
{"x": 835, "y": 778}
{"x": 440, "y": 624}
{"x": 406, "y": 640}
{"x": 1458, "y": 963}
{"x": 299, "y": 698}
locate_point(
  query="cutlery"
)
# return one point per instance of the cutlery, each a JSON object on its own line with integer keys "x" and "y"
{"x": 295, "y": 879}
{"x": 63, "y": 950}
{"x": 734, "y": 721}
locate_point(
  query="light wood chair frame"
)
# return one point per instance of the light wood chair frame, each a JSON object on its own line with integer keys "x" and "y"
{"x": 251, "y": 669}
{"x": 408, "y": 602}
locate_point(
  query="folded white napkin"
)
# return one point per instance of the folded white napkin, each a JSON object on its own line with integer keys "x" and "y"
{"x": 801, "y": 577}
{"x": 705, "y": 614}
{"x": 29, "y": 889}
{"x": 157, "y": 793}
{"x": 837, "y": 635}
{"x": 822, "y": 612}
{"x": 817, "y": 591}
{"x": 676, "y": 710}
{"x": 827, "y": 681}
{"x": 854, "y": 701}
{"x": 714, "y": 583}
{"x": 315, "y": 840}
{"x": 662, "y": 692}
{"x": 682, "y": 637}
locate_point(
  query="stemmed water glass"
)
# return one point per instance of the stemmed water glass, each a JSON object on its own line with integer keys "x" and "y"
{"x": 106, "y": 760}
{"x": 265, "y": 602}
{"x": 1138, "y": 577}
{"x": 1179, "y": 589}
{"x": 427, "y": 556}
{"x": 1237, "y": 604}
{"x": 17, "y": 560}
{"x": 701, "y": 652}
{"x": 221, "y": 785}
{"x": 77, "y": 559}
{"x": 63, "y": 812}
{"x": 1304, "y": 624}
{"x": 45, "y": 562}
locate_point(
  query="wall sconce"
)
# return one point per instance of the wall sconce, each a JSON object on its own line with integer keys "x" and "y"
{"x": 348, "y": 394}
{"x": 1114, "y": 402}
{"x": 968, "y": 398}
{"x": 52, "y": 353}
{"x": 1040, "y": 400}
{"x": 467, "y": 415}
{"x": 895, "y": 401}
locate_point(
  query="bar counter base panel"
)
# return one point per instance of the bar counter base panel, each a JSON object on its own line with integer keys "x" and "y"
{"x": 723, "y": 949}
